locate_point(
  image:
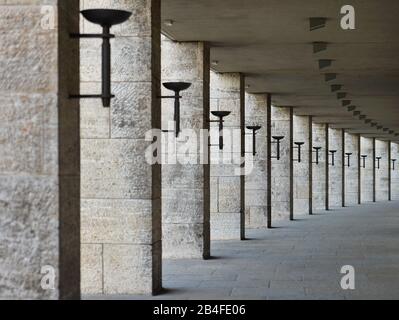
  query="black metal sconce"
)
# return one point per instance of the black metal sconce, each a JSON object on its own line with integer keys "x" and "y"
{"x": 364, "y": 160}
{"x": 332, "y": 154}
{"x": 254, "y": 130}
{"x": 106, "y": 18}
{"x": 277, "y": 142}
{"x": 221, "y": 115}
{"x": 316, "y": 151}
{"x": 393, "y": 164}
{"x": 177, "y": 87}
{"x": 378, "y": 162}
{"x": 348, "y": 157}
{"x": 298, "y": 146}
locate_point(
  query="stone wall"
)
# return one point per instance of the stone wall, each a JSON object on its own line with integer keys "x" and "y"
{"x": 366, "y": 173}
{"x": 39, "y": 147}
{"x": 185, "y": 181}
{"x": 121, "y": 190}
{"x": 227, "y": 196}
{"x": 256, "y": 179}
{"x": 351, "y": 173}
{"x": 281, "y": 168}
{"x": 319, "y": 172}
{"x": 335, "y": 185}
{"x": 381, "y": 184}
{"x": 301, "y": 170}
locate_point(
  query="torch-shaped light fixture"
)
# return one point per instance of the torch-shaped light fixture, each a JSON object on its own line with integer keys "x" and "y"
{"x": 332, "y": 154}
{"x": 221, "y": 115}
{"x": 106, "y": 18}
{"x": 316, "y": 151}
{"x": 298, "y": 146}
{"x": 348, "y": 157}
{"x": 277, "y": 141}
{"x": 378, "y": 162}
{"x": 364, "y": 160}
{"x": 254, "y": 130}
{"x": 176, "y": 87}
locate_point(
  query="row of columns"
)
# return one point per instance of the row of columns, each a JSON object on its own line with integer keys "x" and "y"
{"x": 134, "y": 213}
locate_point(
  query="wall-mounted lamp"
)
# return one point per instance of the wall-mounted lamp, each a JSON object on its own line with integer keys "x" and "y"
{"x": 393, "y": 164}
{"x": 277, "y": 141}
{"x": 254, "y": 130}
{"x": 378, "y": 161}
{"x": 332, "y": 154}
{"x": 316, "y": 151}
{"x": 106, "y": 18}
{"x": 364, "y": 160}
{"x": 348, "y": 157}
{"x": 221, "y": 115}
{"x": 177, "y": 87}
{"x": 298, "y": 146}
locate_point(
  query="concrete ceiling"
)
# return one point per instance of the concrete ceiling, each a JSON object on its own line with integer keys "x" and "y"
{"x": 271, "y": 43}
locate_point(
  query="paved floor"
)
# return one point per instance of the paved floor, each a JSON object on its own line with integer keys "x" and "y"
{"x": 298, "y": 260}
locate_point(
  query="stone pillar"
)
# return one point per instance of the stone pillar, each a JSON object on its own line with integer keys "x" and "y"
{"x": 382, "y": 172}
{"x": 227, "y": 185}
{"x": 311, "y": 157}
{"x": 319, "y": 170}
{"x": 389, "y": 171}
{"x": 256, "y": 179}
{"x": 121, "y": 190}
{"x": 374, "y": 171}
{"x": 395, "y": 173}
{"x": 39, "y": 147}
{"x": 336, "y": 176}
{"x": 359, "y": 172}
{"x": 351, "y": 173}
{"x": 280, "y": 172}
{"x": 185, "y": 183}
{"x": 367, "y": 180}
{"x": 301, "y": 169}
{"x": 327, "y": 167}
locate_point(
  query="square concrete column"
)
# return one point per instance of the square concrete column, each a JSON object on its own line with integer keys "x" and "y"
{"x": 336, "y": 170}
{"x": 185, "y": 181}
{"x": 359, "y": 170}
{"x": 395, "y": 173}
{"x": 382, "y": 173}
{"x": 39, "y": 147}
{"x": 319, "y": 170}
{"x": 256, "y": 178}
{"x": 301, "y": 169}
{"x": 227, "y": 183}
{"x": 351, "y": 173}
{"x": 367, "y": 180}
{"x": 121, "y": 189}
{"x": 280, "y": 172}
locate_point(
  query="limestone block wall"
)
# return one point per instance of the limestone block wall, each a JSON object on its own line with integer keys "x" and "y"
{"x": 395, "y": 173}
{"x": 301, "y": 170}
{"x": 39, "y": 147}
{"x": 227, "y": 186}
{"x": 121, "y": 189}
{"x": 335, "y": 181}
{"x": 280, "y": 117}
{"x": 366, "y": 177}
{"x": 319, "y": 172}
{"x": 256, "y": 178}
{"x": 351, "y": 173}
{"x": 381, "y": 183}
{"x": 185, "y": 181}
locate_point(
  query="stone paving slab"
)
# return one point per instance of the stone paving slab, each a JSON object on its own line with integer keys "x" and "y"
{"x": 297, "y": 260}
